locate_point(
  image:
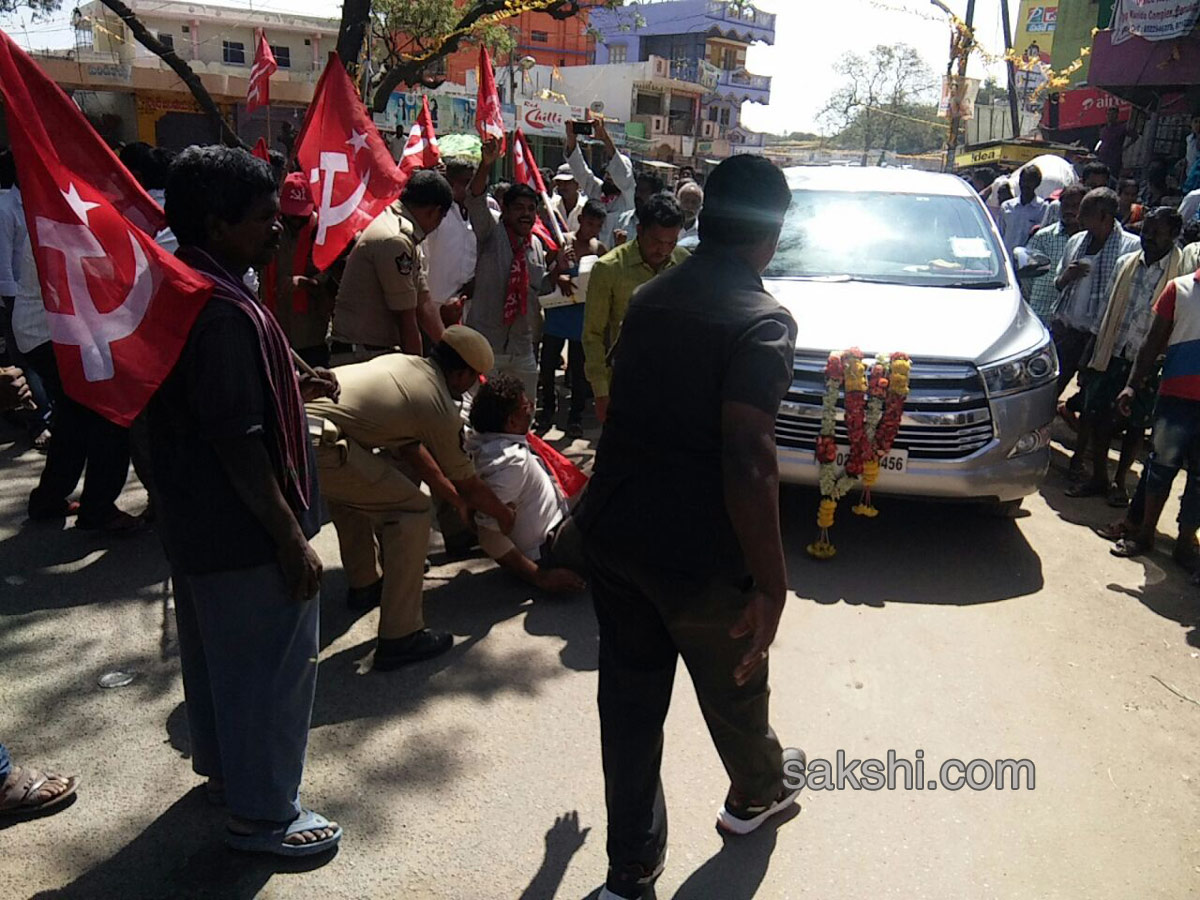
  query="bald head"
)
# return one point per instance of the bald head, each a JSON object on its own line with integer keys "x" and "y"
{"x": 691, "y": 197}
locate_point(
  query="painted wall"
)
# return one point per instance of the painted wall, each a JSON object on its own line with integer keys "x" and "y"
{"x": 679, "y": 17}
{"x": 568, "y": 43}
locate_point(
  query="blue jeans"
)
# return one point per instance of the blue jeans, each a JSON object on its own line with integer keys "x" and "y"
{"x": 1174, "y": 444}
{"x": 5, "y": 763}
{"x": 248, "y": 652}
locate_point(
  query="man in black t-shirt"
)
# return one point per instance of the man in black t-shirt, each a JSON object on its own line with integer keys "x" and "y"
{"x": 235, "y": 477}
{"x": 681, "y": 522}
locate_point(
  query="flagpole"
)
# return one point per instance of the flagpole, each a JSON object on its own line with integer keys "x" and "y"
{"x": 268, "y": 128}
{"x": 554, "y": 226}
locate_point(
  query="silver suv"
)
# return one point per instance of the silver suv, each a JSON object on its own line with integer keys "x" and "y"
{"x": 898, "y": 260}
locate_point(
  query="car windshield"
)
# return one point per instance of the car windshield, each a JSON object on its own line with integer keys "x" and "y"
{"x": 917, "y": 239}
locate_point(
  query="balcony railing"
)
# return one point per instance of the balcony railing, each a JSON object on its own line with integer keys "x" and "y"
{"x": 747, "y": 15}
{"x": 702, "y": 73}
{"x": 743, "y": 79}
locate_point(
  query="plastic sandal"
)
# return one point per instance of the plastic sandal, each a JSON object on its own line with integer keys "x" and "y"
{"x": 272, "y": 840}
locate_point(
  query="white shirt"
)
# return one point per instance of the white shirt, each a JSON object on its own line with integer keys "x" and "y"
{"x": 12, "y": 236}
{"x": 30, "y": 325}
{"x": 448, "y": 254}
{"x": 1189, "y": 207}
{"x": 621, "y": 169}
{"x": 517, "y": 476}
{"x": 571, "y": 216}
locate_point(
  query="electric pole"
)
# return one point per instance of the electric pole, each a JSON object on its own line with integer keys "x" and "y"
{"x": 1013, "y": 109}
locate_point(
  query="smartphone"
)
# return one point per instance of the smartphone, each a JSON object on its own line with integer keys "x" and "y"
{"x": 583, "y": 127}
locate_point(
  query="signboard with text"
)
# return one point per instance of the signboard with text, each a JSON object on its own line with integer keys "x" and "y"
{"x": 1087, "y": 107}
{"x": 540, "y": 118}
{"x": 1154, "y": 20}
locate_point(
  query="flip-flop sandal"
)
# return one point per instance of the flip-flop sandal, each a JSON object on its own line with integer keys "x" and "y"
{"x": 272, "y": 840}
{"x": 1127, "y": 548}
{"x": 1086, "y": 489}
{"x": 1114, "y": 531}
{"x": 19, "y": 798}
{"x": 41, "y": 443}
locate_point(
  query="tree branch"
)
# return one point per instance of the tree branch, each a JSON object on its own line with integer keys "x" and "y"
{"x": 181, "y": 68}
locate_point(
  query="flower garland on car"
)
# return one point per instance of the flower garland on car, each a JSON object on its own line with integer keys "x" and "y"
{"x": 874, "y": 405}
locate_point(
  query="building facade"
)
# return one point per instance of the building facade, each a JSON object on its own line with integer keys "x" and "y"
{"x": 131, "y": 94}
{"x": 550, "y": 41}
{"x": 704, "y": 42}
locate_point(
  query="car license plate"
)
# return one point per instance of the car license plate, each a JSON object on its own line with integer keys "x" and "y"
{"x": 895, "y": 462}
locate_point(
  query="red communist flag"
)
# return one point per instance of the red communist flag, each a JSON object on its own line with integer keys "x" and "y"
{"x": 258, "y": 91}
{"x": 525, "y": 169}
{"x": 349, "y": 167}
{"x": 421, "y": 151}
{"x": 119, "y": 306}
{"x": 260, "y": 150}
{"x": 489, "y": 121}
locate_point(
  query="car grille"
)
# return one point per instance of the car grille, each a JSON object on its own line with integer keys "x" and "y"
{"x": 946, "y": 415}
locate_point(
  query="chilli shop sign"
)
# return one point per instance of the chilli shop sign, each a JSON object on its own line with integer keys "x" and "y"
{"x": 548, "y": 119}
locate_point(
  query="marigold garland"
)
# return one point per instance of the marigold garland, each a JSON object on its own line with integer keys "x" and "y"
{"x": 874, "y": 403}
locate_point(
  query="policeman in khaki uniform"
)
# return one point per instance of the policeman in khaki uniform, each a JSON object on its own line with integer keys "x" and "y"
{"x": 407, "y": 405}
{"x": 383, "y": 286}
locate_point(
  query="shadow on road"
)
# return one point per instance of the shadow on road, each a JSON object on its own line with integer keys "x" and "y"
{"x": 469, "y": 604}
{"x": 180, "y": 855}
{"x": 563, "y": 841}
{"x": 56, "y": 567}
{"x": 1163, "y": 586}
{"x": 913, "y": 552}
{"x": 736, "y": 871}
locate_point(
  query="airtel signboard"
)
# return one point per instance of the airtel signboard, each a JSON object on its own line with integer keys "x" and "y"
{"x": 539, "y": 117}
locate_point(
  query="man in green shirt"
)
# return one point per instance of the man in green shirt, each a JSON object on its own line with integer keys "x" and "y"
{"x": 616, "y": 276}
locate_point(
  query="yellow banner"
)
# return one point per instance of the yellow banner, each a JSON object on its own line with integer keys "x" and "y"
{"x": 1035, "y": 30}
{"x": 1011, "y": 154}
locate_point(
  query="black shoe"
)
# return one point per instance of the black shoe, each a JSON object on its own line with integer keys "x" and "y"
{"x": 739, "y": 817}
{"x": 392, "y": 653}
{"x": 574, "y": 430}
{"x": 365, "y": 598}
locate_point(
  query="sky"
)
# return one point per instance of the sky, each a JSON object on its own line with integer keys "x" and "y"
{"x": 810, "y": 36}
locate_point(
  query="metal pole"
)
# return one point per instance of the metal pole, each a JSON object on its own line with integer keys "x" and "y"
{"x": 1013, "y": 109}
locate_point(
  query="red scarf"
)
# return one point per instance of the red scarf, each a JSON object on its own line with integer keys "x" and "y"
{"x": 301, "y": 261}
{"x": 516, "y": 300}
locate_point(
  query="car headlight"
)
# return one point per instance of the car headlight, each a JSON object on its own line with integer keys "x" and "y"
{"x": 1022, "y": 373}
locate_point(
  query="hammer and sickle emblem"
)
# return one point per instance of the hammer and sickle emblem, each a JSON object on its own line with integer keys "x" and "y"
{"x": 329, "y": 215}
{"x": 92, "y": 331}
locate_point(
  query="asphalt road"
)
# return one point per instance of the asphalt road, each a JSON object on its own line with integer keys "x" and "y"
{"x": 477, "y": 776}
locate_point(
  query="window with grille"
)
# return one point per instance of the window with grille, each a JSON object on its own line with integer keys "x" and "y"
{"x": 283, "y": 56}
{"x": 167, "y": 40}
{"x": 540, "y": 37}
{"x": 233, "y": 53}
{"x": 618, "y": 53}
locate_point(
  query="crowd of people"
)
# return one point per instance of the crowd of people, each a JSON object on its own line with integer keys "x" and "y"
{"x": 1109, "y": 265}
{"x": 402, "y": 385}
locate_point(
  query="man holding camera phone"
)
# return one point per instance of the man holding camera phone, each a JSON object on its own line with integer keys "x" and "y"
{"x": 615, "y": 190}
